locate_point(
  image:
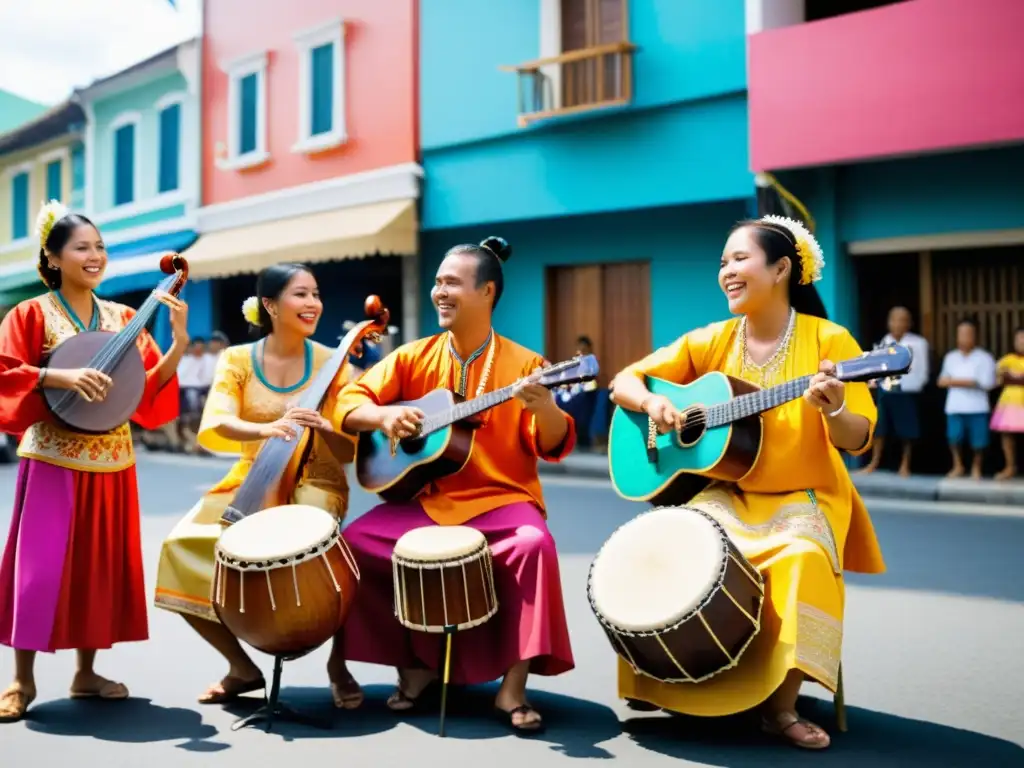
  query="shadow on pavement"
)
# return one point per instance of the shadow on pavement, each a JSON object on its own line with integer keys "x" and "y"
{"x": 575, "y": 727}
{"x": 874, "y": 738}
{"x": 133, "y": 721}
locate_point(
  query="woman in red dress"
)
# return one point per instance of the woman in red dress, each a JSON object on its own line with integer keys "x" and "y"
{"x": 71, "y": 575}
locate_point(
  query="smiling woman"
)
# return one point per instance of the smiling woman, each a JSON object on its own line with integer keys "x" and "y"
{"x": 71, "y": 575}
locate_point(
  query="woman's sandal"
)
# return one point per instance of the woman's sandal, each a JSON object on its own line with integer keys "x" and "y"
{"x": 109, "y": 691}
{"x": 507, "y": 717}
{"x": 14, "y": 703}
{"x": 231, "y": 689}
{"x": 780, "y": 724}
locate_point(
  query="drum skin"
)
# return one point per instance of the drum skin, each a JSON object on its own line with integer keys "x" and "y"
{"x": 289, "y": 628}
{"x": 708, "y": 640}
{"x": 123, "y": 398}
{"x": 435, "y": 597}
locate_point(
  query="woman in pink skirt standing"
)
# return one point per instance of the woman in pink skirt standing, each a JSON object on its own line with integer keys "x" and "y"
{"x": 1008, "y": 417}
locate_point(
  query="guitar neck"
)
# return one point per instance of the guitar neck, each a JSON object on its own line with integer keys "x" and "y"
{"x": 466, "y": 409}
{"x": 756, "y": 402}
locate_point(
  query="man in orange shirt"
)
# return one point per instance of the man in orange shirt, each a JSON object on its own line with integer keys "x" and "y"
{"x": 498, "y": 492}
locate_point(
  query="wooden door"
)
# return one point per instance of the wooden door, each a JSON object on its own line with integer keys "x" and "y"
{"x": 610, "y": 303}
{"x": 586, "y": 24}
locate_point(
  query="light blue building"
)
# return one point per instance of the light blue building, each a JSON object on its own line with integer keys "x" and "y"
{"x": 142, "y": 174}
{"x": 610, "y": 152}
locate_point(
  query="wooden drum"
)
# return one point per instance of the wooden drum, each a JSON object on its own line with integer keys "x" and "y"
{"x": 444, "y": 580}
{"x": 675, "y": 597}
{"x": 284, "y": 580}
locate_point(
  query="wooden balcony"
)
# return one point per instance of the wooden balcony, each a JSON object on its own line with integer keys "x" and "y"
{"x": 574, "y": 82}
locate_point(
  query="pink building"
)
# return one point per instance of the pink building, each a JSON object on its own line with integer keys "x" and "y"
{"x": 309, "y": 153}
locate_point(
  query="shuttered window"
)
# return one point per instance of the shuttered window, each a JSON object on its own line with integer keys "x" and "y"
{"x": 124, "y": 164}
{"x": 53, "y": 180}
{"x": 322, "y": 85}
{"x": 19, "y": 206}
{"x": 247, "y": 87}
{"x": 170, "y": 148}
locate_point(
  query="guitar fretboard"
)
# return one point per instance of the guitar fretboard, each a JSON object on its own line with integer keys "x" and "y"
{"x": 466, "y": 409}
{"x": 756, "y": 402}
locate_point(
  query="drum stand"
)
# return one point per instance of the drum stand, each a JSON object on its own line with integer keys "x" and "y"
{"x": 274, "y": 709}
{"x": 449, "y": 635}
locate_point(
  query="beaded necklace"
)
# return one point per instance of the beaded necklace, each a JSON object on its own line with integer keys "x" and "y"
{"x": 761, "y": 374}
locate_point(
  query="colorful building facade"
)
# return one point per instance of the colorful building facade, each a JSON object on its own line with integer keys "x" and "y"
{"x": 142, "y": 174}
{"x": 41, "y": 159}
{"x": 909, "y": 160}
{"x": 607, "y": 142}
{"x": 309, "y": 154}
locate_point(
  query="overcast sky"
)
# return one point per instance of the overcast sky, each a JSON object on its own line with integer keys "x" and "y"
{"x": 48, "y": 47}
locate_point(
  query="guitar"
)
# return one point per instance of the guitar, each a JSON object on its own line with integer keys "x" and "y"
{"x": 400, "y": 470}
{"x": 722, "y": 434}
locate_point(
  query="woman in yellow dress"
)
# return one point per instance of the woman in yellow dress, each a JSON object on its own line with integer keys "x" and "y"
{"x": 1008, "y": 416}
{"x": 251, "y": 399}
{"x": 797, "y": 516}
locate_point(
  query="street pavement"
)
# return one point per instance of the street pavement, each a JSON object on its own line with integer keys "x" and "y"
{"x": 932, "y": 663}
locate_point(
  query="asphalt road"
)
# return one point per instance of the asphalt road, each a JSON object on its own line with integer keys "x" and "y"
{"x": 932, "y": 663}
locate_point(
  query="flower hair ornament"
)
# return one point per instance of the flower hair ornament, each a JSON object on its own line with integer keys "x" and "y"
{"x": 251, "y": 311}
{"x": 812, "y": 261}
{"x": 49, "y": 214}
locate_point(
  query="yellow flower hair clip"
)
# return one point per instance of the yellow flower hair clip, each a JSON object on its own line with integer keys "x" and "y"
{"x": 251, "y": 311}
{"x": 812, "y": 261}
{"x": 49, "y": 214}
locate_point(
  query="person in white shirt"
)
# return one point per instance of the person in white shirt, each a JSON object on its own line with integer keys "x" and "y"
{"x": 968, "y": 372}
{"x": 194, "y": 379}
{"x": 899, "y": 408}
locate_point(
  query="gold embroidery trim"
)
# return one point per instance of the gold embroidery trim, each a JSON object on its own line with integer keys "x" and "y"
{"x": 792, "y": 521}
{"x": 192, "y": 606}
{"x": 819, "y": 644}
{"x": 51, "y": 444}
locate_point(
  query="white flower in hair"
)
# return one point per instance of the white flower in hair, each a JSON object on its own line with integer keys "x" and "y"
{"x": 251, "y": 310}
{"x": 812, "y": 260}
{"x": 49, "y": 214}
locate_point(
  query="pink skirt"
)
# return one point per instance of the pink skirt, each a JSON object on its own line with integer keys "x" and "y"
{"x": 1008, "y": 418}
{"x": 530, "y": 623}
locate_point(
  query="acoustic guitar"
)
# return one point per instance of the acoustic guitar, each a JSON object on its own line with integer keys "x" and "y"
{"x": 400, "y": 470}
{"x": 721, "y": 437}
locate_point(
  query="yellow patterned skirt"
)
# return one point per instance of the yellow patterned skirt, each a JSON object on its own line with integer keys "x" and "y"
{"x": 790, "y": 541}
{"x": 184, "y": 579}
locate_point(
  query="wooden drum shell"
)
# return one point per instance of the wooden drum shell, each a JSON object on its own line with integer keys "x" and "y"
{"x": 289, "y": 626}
{"x": 123, "y": 398}
{"x": 436, "y": 597}
{"x": 707, "y": 641}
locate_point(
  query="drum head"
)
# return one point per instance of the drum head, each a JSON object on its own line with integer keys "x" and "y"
{"x": 278, "y": 532}
{"x": 433, "y": 543}
{"x": 656, "y": 569}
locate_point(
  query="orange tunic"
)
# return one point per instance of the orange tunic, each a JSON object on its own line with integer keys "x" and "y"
{"x": 503, "y": 467}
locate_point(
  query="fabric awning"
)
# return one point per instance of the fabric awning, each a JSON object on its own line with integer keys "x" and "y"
{"x": 389, "y": 228}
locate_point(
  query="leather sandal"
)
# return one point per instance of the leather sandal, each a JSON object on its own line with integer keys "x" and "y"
{"x": 507, "y": 717}
{"x": 109, "y": 691}
{"x": 14, "y": 703}
{"x": 781, "y": 723}
{"x": 230, "y": 689}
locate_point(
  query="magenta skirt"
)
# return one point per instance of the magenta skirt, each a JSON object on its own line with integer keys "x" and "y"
{"x": 530, "y": 623}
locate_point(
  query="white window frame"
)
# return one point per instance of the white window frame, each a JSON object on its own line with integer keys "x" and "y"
{"x": 169, "y": 100}
{"x": 9, "y": 175}
{"x": 236, "y": 70}
{"x": 331, "y": 32}
{"x": 134, "y": 119}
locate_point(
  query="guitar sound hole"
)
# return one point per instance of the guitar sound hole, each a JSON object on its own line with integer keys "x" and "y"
{"x": 693, "y": 428}
{"x": 413, "y": 444}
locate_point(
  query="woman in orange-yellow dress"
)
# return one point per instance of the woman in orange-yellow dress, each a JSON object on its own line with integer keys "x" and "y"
{"x": 71, "y": 574}
{"x": 797, "y": 516}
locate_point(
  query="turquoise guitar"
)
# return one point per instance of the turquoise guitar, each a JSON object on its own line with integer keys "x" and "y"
{"x": 398, "y": 471}
{"x": 721, "y": 437}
